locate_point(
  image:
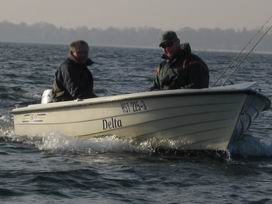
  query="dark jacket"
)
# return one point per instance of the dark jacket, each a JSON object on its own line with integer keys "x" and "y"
{"x": 185, "y": 70}
{"x": 73, "y": 81}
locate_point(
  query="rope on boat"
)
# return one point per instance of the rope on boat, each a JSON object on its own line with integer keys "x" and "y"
{"x": 239, "y": 59}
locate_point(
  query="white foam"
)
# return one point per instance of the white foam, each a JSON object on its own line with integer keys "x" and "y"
{"x": 6, "y": 128}
{"x": 61, "y": 143}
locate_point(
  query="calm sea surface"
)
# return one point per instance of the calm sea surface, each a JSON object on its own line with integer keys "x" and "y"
{"x": 61, "y": 170}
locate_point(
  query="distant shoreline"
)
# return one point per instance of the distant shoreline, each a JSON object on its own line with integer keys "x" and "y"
{"x": 145, "y": 37}
{"x": 138, "y": 47}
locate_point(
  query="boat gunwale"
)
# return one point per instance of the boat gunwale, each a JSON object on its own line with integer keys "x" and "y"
{"x": 135, "y": 96}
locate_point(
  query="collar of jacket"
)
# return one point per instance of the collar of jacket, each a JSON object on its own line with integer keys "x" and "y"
{"x": 89, "y": 62}
{"x": 183, "y": 52}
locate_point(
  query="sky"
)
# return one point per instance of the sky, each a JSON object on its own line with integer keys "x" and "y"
{"x": 162, "y": 14}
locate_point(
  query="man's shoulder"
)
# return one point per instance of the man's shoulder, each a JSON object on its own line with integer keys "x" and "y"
{"x": 194, "y": 62}
{"x": 66, "y": 64}
{"x": 193, "y": 58}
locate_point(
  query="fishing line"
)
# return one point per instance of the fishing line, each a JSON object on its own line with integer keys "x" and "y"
{"x": 246, "y": 56}
{"x": 250, "y": 41}
{"x": 237, "y": 61}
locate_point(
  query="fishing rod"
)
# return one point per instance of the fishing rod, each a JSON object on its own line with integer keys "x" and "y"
{"x": 237, "y": 61}
{"x": 251, "y": 40}
{"x": 246, "y": 56}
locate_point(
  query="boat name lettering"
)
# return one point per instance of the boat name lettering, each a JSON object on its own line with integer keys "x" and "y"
{"x": 34, "y": 117}
{"x": 133, "y": 106}
{"x": 111, "y": 123}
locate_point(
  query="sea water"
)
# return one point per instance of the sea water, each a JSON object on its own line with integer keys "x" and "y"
{"x": 57, "y": 169}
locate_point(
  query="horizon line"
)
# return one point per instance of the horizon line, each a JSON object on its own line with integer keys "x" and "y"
{"x": 125, "y": 27}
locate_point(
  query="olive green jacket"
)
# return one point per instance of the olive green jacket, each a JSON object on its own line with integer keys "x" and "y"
{"x": 185, "y": 70}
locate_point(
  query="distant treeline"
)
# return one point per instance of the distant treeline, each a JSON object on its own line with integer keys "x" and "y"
{"x": 203, "y": 38}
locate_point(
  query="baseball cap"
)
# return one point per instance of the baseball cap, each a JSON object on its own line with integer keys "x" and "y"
{"x": 168, "y": 37}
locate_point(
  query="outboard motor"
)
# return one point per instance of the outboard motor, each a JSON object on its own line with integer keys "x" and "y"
{"x": 47, "y": 96}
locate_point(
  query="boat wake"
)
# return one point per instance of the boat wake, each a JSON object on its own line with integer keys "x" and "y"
{"x": 247, "y": 147}
{"x": 250, "y": 146}
{"x": 89, "y": 146}
{"x": 6, "y": 127}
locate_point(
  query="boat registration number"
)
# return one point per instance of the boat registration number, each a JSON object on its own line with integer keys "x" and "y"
{"x": 133, "y": 106}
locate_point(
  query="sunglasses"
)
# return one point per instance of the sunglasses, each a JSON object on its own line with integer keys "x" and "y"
{"x": 167, "y": 44}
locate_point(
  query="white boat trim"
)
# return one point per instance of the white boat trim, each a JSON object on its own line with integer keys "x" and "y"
{"x": 239, "y": 88}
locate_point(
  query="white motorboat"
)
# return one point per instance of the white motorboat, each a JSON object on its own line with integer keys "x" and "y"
{"x": 183, "y": 119}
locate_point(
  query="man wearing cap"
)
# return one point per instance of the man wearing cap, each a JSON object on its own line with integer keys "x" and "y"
{"x": 180, "y": 68}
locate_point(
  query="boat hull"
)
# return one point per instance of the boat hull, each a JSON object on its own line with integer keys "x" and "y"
{"x": 179, "y": 119}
